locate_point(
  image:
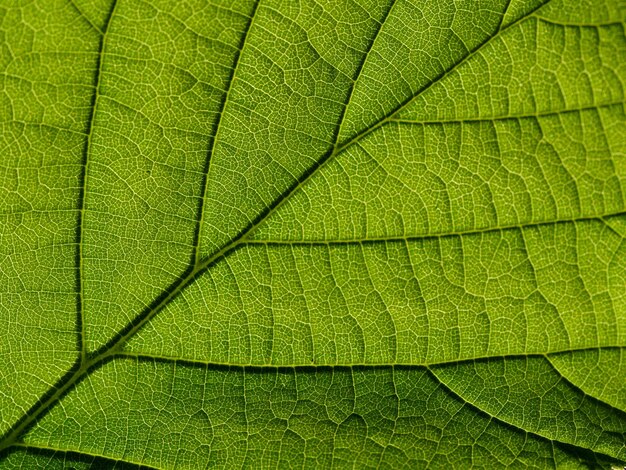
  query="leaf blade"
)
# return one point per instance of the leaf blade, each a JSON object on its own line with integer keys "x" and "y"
{"x": 278, "y": 240}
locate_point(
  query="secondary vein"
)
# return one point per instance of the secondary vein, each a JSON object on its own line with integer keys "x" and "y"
{"x": 459, "y": 233}
{"x": 218, "y": 127}
{"x": 83, "y": 185}
{"x": 65, "y": 383}
{"x": 395, "y": 111}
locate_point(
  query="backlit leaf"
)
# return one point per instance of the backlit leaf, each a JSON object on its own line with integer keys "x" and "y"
{"x": 312, "y": 234}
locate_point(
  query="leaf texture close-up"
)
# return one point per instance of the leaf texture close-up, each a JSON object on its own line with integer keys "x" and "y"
{"x": 312, "y": 234}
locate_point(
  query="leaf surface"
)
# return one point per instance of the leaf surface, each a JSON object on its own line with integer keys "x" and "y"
{"x": 314, "y": 234}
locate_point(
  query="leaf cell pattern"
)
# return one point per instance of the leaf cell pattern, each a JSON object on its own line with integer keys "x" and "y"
{"x": 312, "y": 234}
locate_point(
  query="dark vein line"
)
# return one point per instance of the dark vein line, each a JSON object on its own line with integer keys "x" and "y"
{"x": 93, "y": 459}
{"x": 244, "y": 234}
{"x": 86, "y": 363}
{"x": 351, "y": 365}
{"x": 588, "y": 456}
{"x": 511, "y": 117}
{"x": 216, "y": 130}
{"x": 595, "y": 400}
{"x": 529, "y": 225}
{"x": 578, "y": 388}
{"x": 506, "y": 10}
{"x": 83, "y": 187}
{"x": 70, "y": 377}
{"x": 394, "y": 112}
{"x": 117, "y": 342}
{"x": 43, "y": 405}
{"x": 359, "y": 71}
{"x": 86, "y": 18}
{"x": 564, "y": 24}
{"x": 571, "y": 448}
{"x": 338, "y": 147}
{"x": 609, "y": 227}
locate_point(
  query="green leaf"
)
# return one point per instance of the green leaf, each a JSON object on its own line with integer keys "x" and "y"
{"x": 312, "y": 234}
